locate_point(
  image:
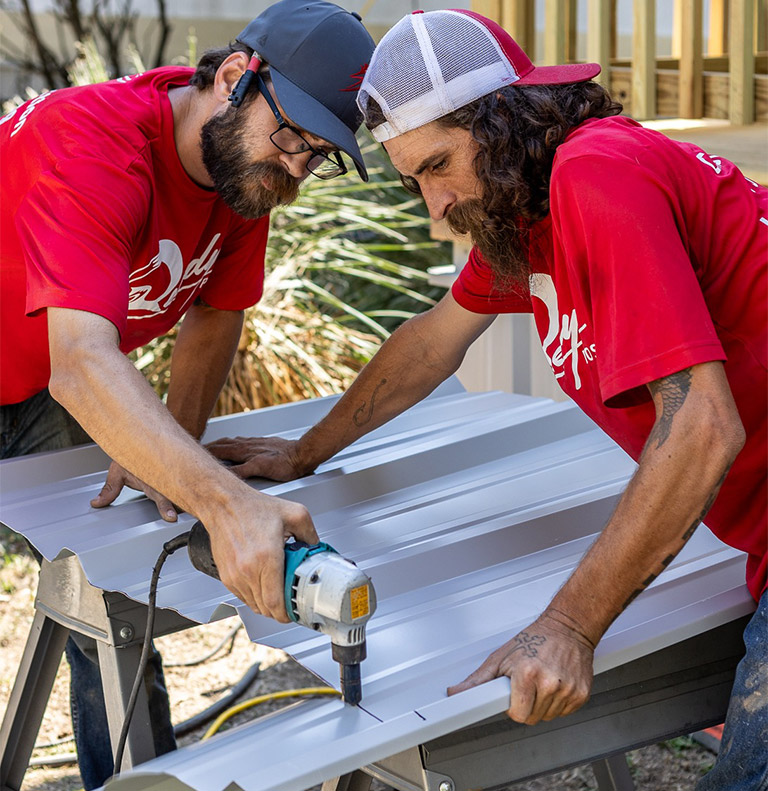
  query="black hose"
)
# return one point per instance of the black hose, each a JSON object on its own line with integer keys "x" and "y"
{"x": 230, "y": 636}
{"x": 222, "y": 704}
{"x": 184, "y": 727}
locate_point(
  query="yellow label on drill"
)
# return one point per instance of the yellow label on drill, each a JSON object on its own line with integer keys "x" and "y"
{"x": 358, "y": 598}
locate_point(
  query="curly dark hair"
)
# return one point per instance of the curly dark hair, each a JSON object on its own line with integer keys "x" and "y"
{"x": 517, "y": 130}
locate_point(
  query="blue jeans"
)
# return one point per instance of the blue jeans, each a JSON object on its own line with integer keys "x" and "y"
{"x": 742, "y": 764}
{"x": 41, "y": 424}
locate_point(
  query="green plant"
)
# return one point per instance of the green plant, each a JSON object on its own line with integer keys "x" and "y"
{"x": 679, "y": 745}
{"x": 345, "y": 265}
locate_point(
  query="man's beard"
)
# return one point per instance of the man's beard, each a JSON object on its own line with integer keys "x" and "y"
{"x": 238, "y": 180}
{"x": 501, "y": 242}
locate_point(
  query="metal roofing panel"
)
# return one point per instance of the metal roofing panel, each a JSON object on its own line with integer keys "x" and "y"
{"x": 466, "y": 507}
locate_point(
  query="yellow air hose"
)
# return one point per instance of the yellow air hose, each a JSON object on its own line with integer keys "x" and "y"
{"x": 246, "y": 704}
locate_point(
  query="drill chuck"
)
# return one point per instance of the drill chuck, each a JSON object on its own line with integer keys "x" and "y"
{"x": 349, "y": 659}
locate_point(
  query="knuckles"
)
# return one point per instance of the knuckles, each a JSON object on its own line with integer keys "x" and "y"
{"x": 297, "y": 515}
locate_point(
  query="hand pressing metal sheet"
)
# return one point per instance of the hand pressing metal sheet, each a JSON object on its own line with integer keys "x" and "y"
{"x": 468, "y": 512}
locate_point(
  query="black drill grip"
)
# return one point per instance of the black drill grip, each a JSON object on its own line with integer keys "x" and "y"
{"x": 200, "y": 553}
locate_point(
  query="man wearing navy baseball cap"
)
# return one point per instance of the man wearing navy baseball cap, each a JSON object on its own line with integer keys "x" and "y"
{"x": 128, "y": 206}
{"x": 642, "y": 261}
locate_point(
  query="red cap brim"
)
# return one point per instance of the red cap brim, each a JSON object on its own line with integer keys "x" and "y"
{"x": 560, "y": 75}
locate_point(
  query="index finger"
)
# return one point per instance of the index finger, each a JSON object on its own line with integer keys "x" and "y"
{"x": 522, "y": 700}
{"x": 482, "y": 675}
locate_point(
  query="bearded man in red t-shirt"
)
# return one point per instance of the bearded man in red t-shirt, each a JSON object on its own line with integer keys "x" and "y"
{"x": 127, "y": 206}
{"x": 643, "y": 261}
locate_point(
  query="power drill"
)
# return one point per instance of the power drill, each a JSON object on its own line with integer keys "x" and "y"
{"x": 323, "y": 591}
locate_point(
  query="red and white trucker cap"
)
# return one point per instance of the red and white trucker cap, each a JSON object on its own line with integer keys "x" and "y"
{"x": 431, "y": 63}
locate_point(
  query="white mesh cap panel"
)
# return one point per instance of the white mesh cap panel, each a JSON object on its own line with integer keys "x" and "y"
{"x": 400, "y": 70}
{"x": 459, "y": 44}
{"x": 428, "y": 65}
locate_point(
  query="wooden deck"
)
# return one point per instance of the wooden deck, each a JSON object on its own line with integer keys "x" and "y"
{"x": 745, "y": 146}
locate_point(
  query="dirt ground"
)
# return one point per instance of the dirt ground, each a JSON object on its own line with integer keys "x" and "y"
{"x": 670, "y": 766}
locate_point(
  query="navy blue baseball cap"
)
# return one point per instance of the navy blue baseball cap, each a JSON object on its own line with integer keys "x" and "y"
{"x": 317, "y": 55}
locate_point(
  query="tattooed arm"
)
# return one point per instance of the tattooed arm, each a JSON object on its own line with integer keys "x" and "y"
{"x": 419, "y": 355}
{"x": 696, "y": 437}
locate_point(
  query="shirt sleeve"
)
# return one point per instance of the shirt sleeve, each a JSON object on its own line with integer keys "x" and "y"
{"x": 474, "y": 290}
{"x": 238, "y": 277}
{"x": 619, "y": 223}
{"x": 77, "y": 240}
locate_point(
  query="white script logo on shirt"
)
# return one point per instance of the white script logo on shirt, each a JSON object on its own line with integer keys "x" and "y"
{"x": 562, "y": 344}
{"x": 146, "y": 298}
{"x": 28, "y": 110}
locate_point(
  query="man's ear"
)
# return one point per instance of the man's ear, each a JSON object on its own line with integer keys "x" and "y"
{"x": 228, "y": 74}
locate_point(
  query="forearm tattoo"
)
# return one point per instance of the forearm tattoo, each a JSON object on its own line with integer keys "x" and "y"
{"x": 684, "y": 539}
{"x": 673, "y": 391}
{"x": 647, "y": 581}
{"x": 364, "y": 412}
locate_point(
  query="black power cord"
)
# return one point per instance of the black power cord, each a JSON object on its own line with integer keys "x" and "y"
{"x": 168, "y": 549}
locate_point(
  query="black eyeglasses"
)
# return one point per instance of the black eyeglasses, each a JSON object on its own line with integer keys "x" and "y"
{"x": 289, "y": 140}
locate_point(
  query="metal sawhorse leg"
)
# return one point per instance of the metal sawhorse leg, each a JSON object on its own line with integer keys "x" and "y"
{"x": 67, "y": 601}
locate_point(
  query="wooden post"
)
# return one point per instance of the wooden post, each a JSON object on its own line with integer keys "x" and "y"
{"x": 717, "y": 43}
{"x": 742, "y": 62}
{"x": 691, "y": 60}
{"x": 677, "y": 29}
{"x": 761, "y": 25}
{"x": 643, "y": 60}
{"x": 518, "y": 19}
{"x": 572, "y": 30}
{"x": 554, "y": 32}
{"x": 488, "y": 8}
{"x": 599, "y": 37}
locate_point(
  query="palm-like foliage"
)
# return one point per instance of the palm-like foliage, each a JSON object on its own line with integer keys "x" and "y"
{"x": 345, "y": 264}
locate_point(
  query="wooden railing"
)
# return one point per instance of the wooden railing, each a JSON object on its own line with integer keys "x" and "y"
{"x": 729, "y": 81}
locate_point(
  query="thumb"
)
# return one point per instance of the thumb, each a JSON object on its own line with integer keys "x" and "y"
{"x": 109, "y": 492}
{"x": 304, "y": 530}
{"x": 264, "y": 466}
{"x": 246, "y": 470}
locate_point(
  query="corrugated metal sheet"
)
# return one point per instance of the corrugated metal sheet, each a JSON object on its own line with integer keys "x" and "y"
{"x": 468, "y": 512}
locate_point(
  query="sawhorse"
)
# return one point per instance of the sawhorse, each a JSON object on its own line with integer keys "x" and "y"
{"x": 66, "y": 602}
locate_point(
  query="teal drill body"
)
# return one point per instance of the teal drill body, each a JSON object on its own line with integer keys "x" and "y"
{"x": 324, "y": 592}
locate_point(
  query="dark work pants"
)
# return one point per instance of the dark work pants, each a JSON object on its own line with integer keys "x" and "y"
{"x": 42, "y": 424}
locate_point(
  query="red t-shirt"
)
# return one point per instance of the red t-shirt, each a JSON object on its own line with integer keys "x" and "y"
{"x": 98, "y": 214}
{"x": 653, "y": 259}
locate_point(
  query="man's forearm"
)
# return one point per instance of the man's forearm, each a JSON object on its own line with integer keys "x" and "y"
{"x": 406, "y": 369}
{"x": 115, "y": 405}
{"x": 202, "y": 357}
{"x": 684, "y": 463}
